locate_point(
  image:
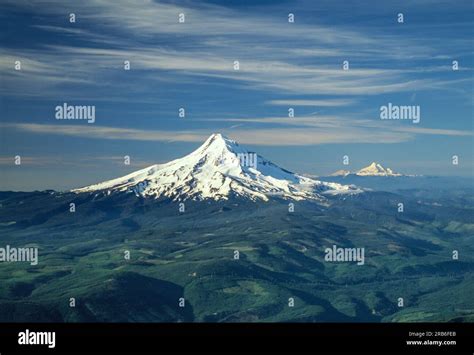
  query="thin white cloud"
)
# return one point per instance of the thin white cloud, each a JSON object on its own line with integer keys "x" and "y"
{"x": 274, "y": 55}
{"x": 318, "y": 103}
{"x": 325, "y": 130}
{"x": 104, "y": 132}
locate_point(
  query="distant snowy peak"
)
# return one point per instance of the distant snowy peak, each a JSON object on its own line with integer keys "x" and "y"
{"x": 375, "y": 169}
{"x": 220, "y": 168}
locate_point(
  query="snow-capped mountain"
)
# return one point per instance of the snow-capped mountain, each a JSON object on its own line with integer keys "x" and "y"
{"x": 217, "y": 170}
{"x": 374, "y": 169}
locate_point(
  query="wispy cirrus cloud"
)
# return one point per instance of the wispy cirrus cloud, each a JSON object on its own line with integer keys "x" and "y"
{"x": 313, "y": 103}
{"x": 274, "y": 56}
{"x": 293, "y": 132}
{"x": 89, "y": 161}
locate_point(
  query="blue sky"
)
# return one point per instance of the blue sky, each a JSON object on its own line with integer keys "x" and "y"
{"x": 190, "y": 65}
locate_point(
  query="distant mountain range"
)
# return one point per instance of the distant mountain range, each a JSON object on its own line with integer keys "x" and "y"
{"x": 374, "y": 169}
{"x": 219, "y": 169}
{"x": 379, "y": 178}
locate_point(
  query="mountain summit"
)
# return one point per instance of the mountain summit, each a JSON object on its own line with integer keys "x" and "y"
{"x": 219, "y": 169}
{"x": 375, "y": 169}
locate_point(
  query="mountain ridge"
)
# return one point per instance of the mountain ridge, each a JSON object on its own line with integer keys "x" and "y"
{"x": 218, "y": 169}
{"x": 373, "y": 169}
